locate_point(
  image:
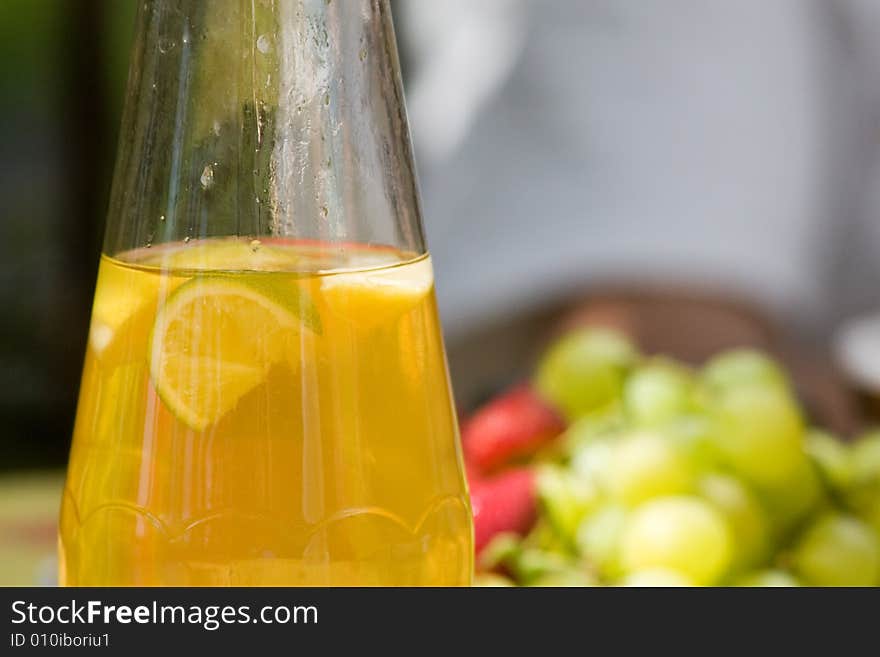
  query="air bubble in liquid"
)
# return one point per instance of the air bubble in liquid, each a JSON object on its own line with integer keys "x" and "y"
{"x": 264, "y": 44}
{"x": 207, "y": 178}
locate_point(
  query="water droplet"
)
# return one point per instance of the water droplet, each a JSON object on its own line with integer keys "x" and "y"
{"x": 326, "y": 99}
{"x": 255, "y": 245}
{"x": 207, "y": 178}
{"x": 216, "y": 128}
{"x": 161, "y": 217}
{"x": 187, "y": 239}
{"x": 166, "y": 45}
{"x": 363, "y": 54}
{"x": 264, "y": 44}
{"x": 324, "y": 211}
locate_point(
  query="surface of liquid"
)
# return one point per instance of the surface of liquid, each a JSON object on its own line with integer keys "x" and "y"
{"x": 265, "y": 414}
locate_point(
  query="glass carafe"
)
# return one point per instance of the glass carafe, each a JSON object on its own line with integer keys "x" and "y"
{"x": 265, "y": 398}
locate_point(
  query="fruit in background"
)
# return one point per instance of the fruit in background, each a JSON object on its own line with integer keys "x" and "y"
{"x": 585, "y": 370}
{"x": 657, "y": 392}
{"x": 492, "y": 580}
{"x": 741, "y": 368}
{"x": 792, "y": 496}
{"x": 510, "y": 427}
{"x": 866, "y": 459}
{"x": 567, "y": 578}
{"x": 681, "y": 533}
{"x": 838, "y": 550}
{"x": 656, "y": 577}
{"x": 863, "y": 494}
{"x": 504, "y": 503}
{"x": 598, "y": 538}
{"x": 592, "y": 461}
{"x": 531, "y": 565}
{"x": 758, "y": 432}
{"x": 671, "y": 478}
{"x": 768, "y": 578}
{"x": 745, "y": 517}
{"x": 565, "y": 500}
{"x": 832, "y": 459}
{"x": 645, "y": 465}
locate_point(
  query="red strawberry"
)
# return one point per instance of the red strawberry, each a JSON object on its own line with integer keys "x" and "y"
{"x": 514, "y": 425}
{"x": 504, "y": 503}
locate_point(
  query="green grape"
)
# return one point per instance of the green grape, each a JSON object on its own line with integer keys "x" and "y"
{"x": 832, "y": 458}
{"x": 568, "y": 579}
{"x": 767, "y": 578}
{"x": 598, "y": 538}
{"x": 645, "y": 465}
{"x": 565, "y": 499}
{"x": 866, "y": 459}
{"x": 584, "y": 371}
{"x": 863, "y": 494}
{"x": 656, "y": 577}
{"x": 838, "y": 550}
{"x": 531, "y": 564}
{"x": 742, "y": 368}
{"x": 500, "y": 550}
{"x": 681, "y": 533}
{"x": 792, "y": 496}
{"x": 492, "y": 580}
{"x": 544, "y": 536}
{"x": 692, "y": 434}
{"x": 759, "y": 433}
{"x": 657, "y": 392}
{"x": 592, "y": 462}
{"x": 745, "y": 517}
{"x": 592, "y": 428}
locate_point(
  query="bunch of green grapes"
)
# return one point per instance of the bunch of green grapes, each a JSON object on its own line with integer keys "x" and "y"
{"x": 668, "y": 476}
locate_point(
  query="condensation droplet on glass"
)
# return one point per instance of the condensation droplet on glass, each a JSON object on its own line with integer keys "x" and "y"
{"x": 161, "y": 217}
{"x": 187, "y": 239}
{"x": 324, "y": 211}
{"x": 255, "y": 245}
{"x": 363, "y": 54}
{"x": 207, "y": 178}
{"x": 166, "y": 45}
{"x": 264, "y": 44}
{"x": 326, "y": 99}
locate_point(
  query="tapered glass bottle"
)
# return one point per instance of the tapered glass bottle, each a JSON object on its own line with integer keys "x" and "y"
{"x": 265, "y": 398}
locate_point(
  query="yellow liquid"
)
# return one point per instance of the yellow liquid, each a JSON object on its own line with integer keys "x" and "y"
{"x": 316, "y": 447}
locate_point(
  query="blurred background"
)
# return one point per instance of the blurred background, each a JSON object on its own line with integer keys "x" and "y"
{"x": 698, "y": 174}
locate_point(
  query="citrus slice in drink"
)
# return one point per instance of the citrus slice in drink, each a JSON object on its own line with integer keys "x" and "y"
{"x": 229, "y": 255}
{"x": 372, "y": 297}
{"x": 122, "y": 313}
{"x": 215, "y": 340}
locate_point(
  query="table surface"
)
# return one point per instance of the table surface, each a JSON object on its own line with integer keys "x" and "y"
{"x": 28, "y": 527}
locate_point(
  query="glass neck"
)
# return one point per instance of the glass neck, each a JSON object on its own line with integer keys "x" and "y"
{"x": 259, "y": 118}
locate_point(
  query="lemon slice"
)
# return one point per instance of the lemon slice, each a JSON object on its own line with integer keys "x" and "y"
{"x": 229, "y": 255}
{"x": 369, "y": 298}
{"x": 122, "y": 312}
{"x": 214, "y": 341}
